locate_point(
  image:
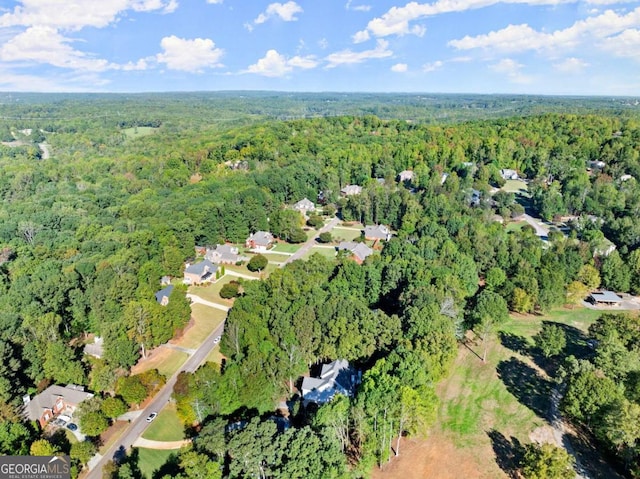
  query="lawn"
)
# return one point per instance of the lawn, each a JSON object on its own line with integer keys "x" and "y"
{"x": 326, "y": 252}
{"x": 278, "y": 258}
{"x": 516, "y": 186}
{"x": 344, "y": 234}
{"x": 166, "y": 427}
{"x": 211, "y": 291}
{"x": 138, "y": 132}
{"x": 165, "y": 360}
{"x": 515, "y": 225}
{"x": 286, "y": 247}
{"x": 215, "y": 356}
{"x": 205, "y": 320}
{"x": 150, "y": 460}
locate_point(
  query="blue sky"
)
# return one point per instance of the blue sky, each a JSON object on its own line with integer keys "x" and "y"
{"x": 587, "y": 47}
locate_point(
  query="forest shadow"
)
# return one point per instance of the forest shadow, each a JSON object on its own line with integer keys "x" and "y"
{"x": 517, "y": 344}
{"x": 170, "y": 468}
{"x": 594, "y": 461}
{"x": 528, "y": 387}
{"x": 508, "y": 452}
{"x": 576, "y": 341}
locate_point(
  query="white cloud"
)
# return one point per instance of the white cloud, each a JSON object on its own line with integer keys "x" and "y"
{"x": 511, "y": 69}
{"x": 361, "y": 36}
{"x": 286, "y": 11}
{"x": 215, "y": 2}
{"x": 274, "y": 64}
{"x": 518, "y": 38}
{"x": 357, "y": 8}
{"x": 346, "y": 57}
{"x": 431, "y": 67}
{"x": 571, "y": 65}
{"x": 43, "y": 44}
{"x": 399, "y": 68}
{"x": 189, "y": 55}
{"x": 627, "y": 44}
{"x": 75, "y": 15}
{"x": 323, "y": 43}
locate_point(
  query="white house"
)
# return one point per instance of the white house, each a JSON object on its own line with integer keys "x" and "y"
{"x": 335, "y": 378}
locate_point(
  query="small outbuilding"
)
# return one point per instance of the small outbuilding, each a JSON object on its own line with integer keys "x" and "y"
{"x": 605, "y": 298}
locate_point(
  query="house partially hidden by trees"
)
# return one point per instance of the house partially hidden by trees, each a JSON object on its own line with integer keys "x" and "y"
{"x": 198, "y": 273}
{"x": 162, "y": 296}
{"x": 224, "y": 254}
{"x": 359, "y": 251}
{"x": 304, "y": 206}
{"x": 508, "y": 174}
{"x": 335, "y": 378}
{"x": 53, "y": 401}
{"x": 350, "y": 190}
{"x": 377, "y": 233}
{"x": 260, "y": 241}
{"x": 406, "y": 175}
{"x": 606, "y": 298}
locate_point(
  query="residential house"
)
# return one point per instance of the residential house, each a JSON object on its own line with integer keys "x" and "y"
{"x": 359, "y": 251}
{"x": 335, "y": 378}
{"x": 406, "y": 175}
{"x": 162, "y": 296}
{"x": 199, "y": 273}
{"x": 53, "y": 401}
{"x": 597, "y": 164}
{"x": 165, "y": 281}
{"x": 260, "y": 241}
{"x": 304, "y": 206}
{"x": 377, "y": 232}
{"x": 95, "y": 349}
{"x": 508, "y": 174}
{"x": 626, "y": 177}
{"x": 224, "y": 254}
{"x": 607, "y": 298}
{"x": 476, "y": 195}
{"x": 350, "y": 190}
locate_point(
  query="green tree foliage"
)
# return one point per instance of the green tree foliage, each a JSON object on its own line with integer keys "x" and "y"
{"x": 42, "y": 447}
{"x": 551, "y": 340}
{"x": 82, "y": 452}
{"x": 257, "y": 263}
{"x": 131, "y": 389}
{"x": 112, "y": 407}
{"x": 15, "y": 438}
{"x": 230, "y": 290}
{"x": 325, "y": 237}
{"x": 546, "y": 461}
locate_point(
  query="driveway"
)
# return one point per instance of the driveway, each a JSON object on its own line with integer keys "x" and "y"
{"x": 312, "y": 241}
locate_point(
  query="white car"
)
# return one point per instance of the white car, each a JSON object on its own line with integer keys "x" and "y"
{"x": 217, "y": 339}
{"x": 152, "y": 416}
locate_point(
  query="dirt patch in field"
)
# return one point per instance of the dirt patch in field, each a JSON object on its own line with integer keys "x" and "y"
{"x": 439, "y": 458}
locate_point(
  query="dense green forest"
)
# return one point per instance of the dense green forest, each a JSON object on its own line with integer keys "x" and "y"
{"x": 88, "y": 230}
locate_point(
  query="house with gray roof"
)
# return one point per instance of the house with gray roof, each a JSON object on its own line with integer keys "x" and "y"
{"x": 377, "y": 232}
{"x": 198, "y": 273}
{"x": 335, "y": 378}
{"x": 260, "y": 241}
{"x": 53, "y": 401}
{"x": 95, "y": 349}
{"x": 359, "y": 251}
{"x": 508, "y": 174}
{"x": 406, "y": 175}
{"x": 162, "y": 296}
{"x": 304, "y": 206}
{"x": 350, "y": 190}
{"x": 224, "y": 254}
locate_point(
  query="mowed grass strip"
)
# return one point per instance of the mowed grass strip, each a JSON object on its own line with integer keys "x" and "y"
{"x": 205, "y": 320}
{"x": 344, "y": 234}
{"x": 326, "y": 252}
{"x": 151, "y": 460}
{"x": 278, "y": 258}
{"x": 286, "y": 247}
{"x": 166, "y": 427}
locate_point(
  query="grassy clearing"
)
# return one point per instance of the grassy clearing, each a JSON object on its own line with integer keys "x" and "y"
{"x": 345, "y": 234}
{"x": 215, "y": 356}
{"x": 515, "y": 225}
{"x": 138, "y": 132}
{"x": 326, "y": 252}
{"x": 150, "y": 460}
{"x": 211, "y": 291}
{"x": 515, "y": 186}
{"x": 166, "y": 427}
{"x": 206, "y": 319}
{"x": 286, "y": 247}
{"x": 279, "y": 258}
{"x": 167, "y": 361}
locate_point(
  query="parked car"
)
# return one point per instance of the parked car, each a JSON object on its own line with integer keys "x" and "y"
{"x": 217, "y": 339}
{"x": 72, "y": 427}
{"x": 152, "y": 416}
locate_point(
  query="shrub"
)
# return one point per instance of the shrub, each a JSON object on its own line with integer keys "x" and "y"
{"x": 257, "y": 263}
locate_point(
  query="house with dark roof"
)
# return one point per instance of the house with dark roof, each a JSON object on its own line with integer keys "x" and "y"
{"x": 198, "y": 273}
{"x": 335, "y": 378}
{"x": 359, "y": 251}
{"x": 260, "y": 241}
{"x": 224, "y": 254}
{"x": 377, "y": 232}
{"x": 350, "y": 190}
{"x": 53, "y": 401}
{"x": 162, "y": 296}
{"x": 304, "y": 206}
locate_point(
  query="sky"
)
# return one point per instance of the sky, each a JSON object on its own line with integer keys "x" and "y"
{"x": 553, "y": 47}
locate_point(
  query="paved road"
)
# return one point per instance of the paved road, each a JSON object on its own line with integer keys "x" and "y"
{"x": 311, "y": 241}
{"x": 138, "y": 426}
{"x": 541, "y": 229}
{"x": 199, "y": 300}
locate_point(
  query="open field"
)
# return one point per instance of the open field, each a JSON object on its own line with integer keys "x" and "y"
{"x": 138, "y": 131}
{"x": 167, "y": 361}
{"x": 486, "y": 409}
{"x": 286, "y": 247}
{"x": 166, "y": 427}
{"x": 515, "y": 225}
{"x": 326, "y": 252}
{"x": 205, "y": 320}
{"x": 345, "y": 234}
{"x": 150, "y": 460}
{"x": 516, "y": 186}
